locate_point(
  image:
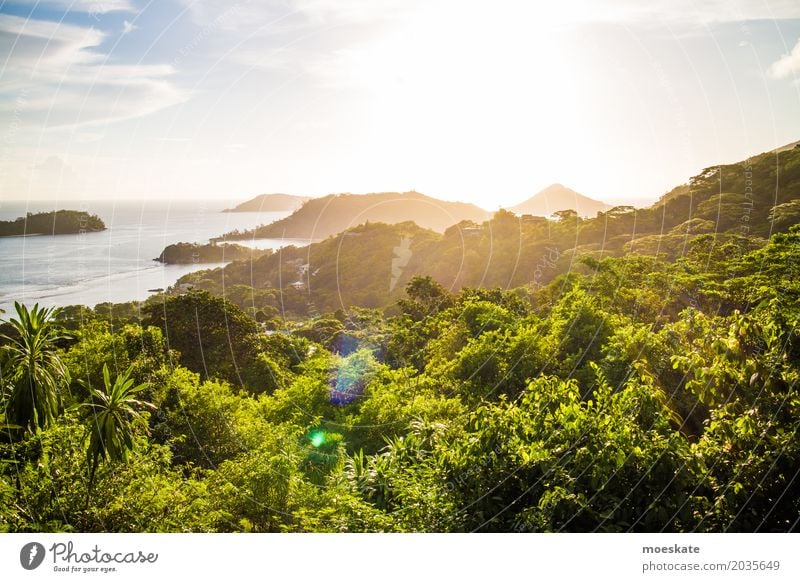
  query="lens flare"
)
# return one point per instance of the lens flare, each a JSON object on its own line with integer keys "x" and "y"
{"x": 317, "y": 438}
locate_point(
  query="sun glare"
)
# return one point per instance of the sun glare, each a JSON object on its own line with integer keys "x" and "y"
{"x": 468, "y": 92}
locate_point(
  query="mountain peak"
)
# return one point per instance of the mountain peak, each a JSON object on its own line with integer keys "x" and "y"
{"x": 556, "y": 186}
{"x": 558, "y": 197}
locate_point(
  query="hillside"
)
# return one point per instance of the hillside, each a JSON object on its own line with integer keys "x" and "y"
{"x": 558, "y": 197}
{"x": 58, "y": 222}
{"x": 270, "y": 203}
{"x": 787, "y": 147}
{"x": 188, "y": 253}
{"x": 613, "y": 374}
{"x": 357, "y": 266}
{"x": 321, "y": 217}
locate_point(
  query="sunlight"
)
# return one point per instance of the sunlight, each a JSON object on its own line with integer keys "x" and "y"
{"x": 472, "y": 90}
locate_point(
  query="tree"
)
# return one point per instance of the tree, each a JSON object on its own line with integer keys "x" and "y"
{"x": 214, "y": 336}
{"x": 32, "y": 371}
{"x": 113, "y": 420}
{"x": 567, "y": 215}
{"x": 426, "y": 298}
{"x": 785, "y": 215}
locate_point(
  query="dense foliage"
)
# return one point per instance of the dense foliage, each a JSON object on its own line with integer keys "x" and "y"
{"x": 645, "y": 395}
{"x": 188, "y": 253}
{"x": 58, "y": 222}
{"x": 369, "y": 264}
{"x": 627, "y": 392}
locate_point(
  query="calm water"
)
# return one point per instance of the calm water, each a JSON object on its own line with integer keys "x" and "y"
{"x": 117, "y": 264}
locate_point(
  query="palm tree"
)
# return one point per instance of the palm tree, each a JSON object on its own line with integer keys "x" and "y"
{"x": 113, "y": 418}
{"x": 32, "y": 372}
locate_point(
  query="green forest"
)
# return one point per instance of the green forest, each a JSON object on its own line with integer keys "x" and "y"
{"x": 636, "y": 371}
{"x": 57, "y": 222}
{"x": 187, "y": 253}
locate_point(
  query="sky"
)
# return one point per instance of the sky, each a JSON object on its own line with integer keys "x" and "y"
{"x": 485, "y": 102}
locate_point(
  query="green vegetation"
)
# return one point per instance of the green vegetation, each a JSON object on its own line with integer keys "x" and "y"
{"x": 58, "y": 222}
{"x": 646, "y": 395}
{"x": 113, "y": 420}
{"x": 188, "y": 253}
{"x": 602, "y": 389}
{"x": 32, "y": 369}
{"x": 368, "y": 265}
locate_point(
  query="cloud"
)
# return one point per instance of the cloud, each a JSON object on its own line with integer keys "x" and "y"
{"x": 311, "y": 35}
{"x": 90, "y": 6}
{"x": 249, "y": 14}
{"x": 240, "y": 16}
{"x": 291, "y": 15}
{"x": 128, "y": 27}
{"x": 687, "y": 11}
{"x": 353, "y": 11}
{"x": 55, "y": 77}
{"x": 787, "y": 65}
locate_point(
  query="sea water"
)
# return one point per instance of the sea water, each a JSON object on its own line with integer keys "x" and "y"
{"x": 117, "y": 264}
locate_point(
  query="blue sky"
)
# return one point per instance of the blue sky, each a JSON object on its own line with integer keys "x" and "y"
{"x": 483, "y": 102}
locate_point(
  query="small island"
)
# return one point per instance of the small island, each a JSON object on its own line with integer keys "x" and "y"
{"x": 57, "y": 222}
{"x": 270, "y": 203}
{"x": 188, "y": 253}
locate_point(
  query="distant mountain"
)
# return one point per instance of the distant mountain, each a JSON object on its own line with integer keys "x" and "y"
{"x": 557, "y": 197}
{"x": 369, "y": 265}
{"x": 321, "y": 217}
{"x": 270, "y": 203}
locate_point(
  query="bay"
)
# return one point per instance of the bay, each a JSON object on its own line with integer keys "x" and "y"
{"x": 117, "y": 264}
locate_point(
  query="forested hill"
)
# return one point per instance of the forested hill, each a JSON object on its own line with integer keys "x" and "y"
{"x": 357, "y": 267}
{"x": 321, "y": 217}
{"x": 631, "y": 393}
{"x": 57, "y": 222}
{"x": 270, "y": 203}
{"x": 188, "y": 253}
{"x": 368, "y": 265}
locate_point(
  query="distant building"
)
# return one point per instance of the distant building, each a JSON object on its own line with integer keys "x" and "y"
{"x": 299, "y": 285}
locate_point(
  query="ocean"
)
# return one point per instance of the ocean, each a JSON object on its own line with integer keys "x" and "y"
{"x": 115, "y": 265}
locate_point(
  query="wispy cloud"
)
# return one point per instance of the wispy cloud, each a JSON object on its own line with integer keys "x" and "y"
{"x": 334, "y": 12}
{"x": 290, "y": 15}
{"x": 68, "y": 82}
{"x": 685, "y": 11}
{"x": 90, "y": 6}
{"x": 128, "y": 27}
{"x": 315, "y": 36}
{"x": 788, "y": 65}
